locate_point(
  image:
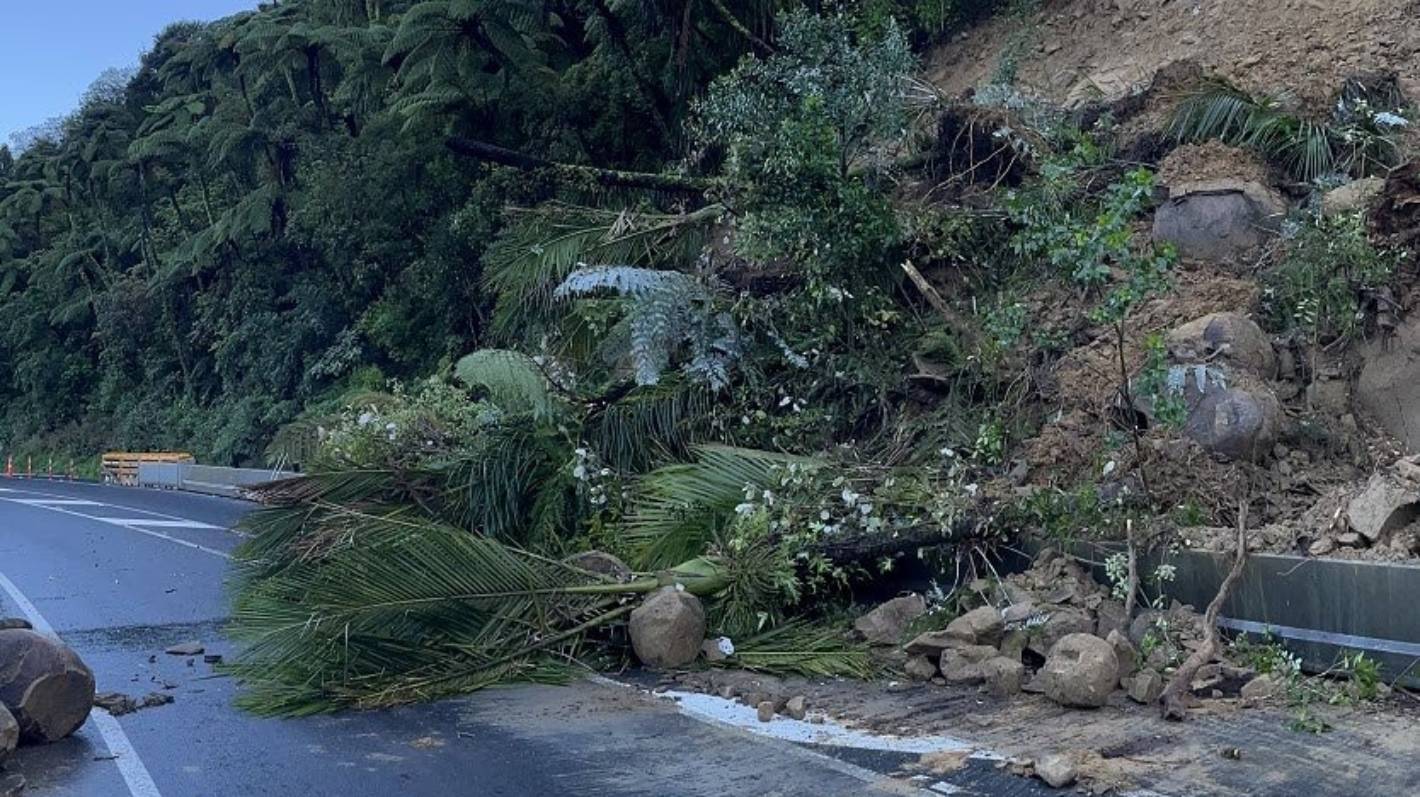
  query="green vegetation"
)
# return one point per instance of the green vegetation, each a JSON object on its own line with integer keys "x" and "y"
{"x": 1360, "y": 137}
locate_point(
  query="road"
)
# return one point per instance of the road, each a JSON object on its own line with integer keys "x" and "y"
{"x": 122, "y": 574}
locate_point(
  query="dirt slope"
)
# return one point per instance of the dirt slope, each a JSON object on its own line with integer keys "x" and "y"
{"x": 1082, "y": 50}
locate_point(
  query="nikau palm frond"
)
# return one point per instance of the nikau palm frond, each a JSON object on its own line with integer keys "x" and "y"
{"x": 410, "y": 611}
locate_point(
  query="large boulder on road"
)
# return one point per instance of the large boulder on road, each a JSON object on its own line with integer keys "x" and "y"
{"x": 668, "y": 628}
{"x": 44, "y": 685}
{"x": 886, "y": 624}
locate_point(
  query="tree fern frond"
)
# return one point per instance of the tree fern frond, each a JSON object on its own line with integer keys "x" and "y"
{"x": 512, "y": 380}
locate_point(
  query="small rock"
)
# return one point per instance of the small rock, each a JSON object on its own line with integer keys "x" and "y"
{"x": 1014, "y": 643}
{"x": 1110, "y": 617}
{"x": 667, "y": 628}
{"x": 1002, "y": 676}
{"x": 212, "y": 658}
{"x": 1353, "y": 196}
{"x": 717, "y": 650}
{"x": 766, "y": 710}
{"x": 1259, "y": 689}
{"x": 1348, "y": 539}
{"x": 797, "y": 707}
{"x": 726, "y": 692}
{"x": 886, "y": 624}
{"x": 1146, "y": 687}
{"x": 1124, "y": 651}
{"x": 1018, "y": 612}
{"x": 981, "y": 626}
{"x": 920, "y": 668}
{"x": 930, "y": 644}
{"x": 975, "y": 653}
{"x": 1081, "y": 671}
{"x": 1383, "y": 506}
{"x": 186, "y": 649}
{"x": 1057, "y": 771}
{"x": 1060, "y": 624}
{"x": 959, "y": 671}
{"x": 1321, "y": 547}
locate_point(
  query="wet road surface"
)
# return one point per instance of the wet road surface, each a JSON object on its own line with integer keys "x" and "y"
{"x": 121, "y": 574}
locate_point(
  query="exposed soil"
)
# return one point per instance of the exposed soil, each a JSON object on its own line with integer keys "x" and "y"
{"x": 1078, "y": 51}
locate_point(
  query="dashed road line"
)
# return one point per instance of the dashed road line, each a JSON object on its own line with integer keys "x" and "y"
{"x": 130, "y": 765}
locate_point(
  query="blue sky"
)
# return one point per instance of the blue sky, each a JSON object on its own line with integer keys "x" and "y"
{"x": 51, "y": 50}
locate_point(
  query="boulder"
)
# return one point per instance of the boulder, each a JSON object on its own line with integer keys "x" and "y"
{"x": 1382, "y": 507}
{"x": 44, "y": 684}
{"x": 1241, "y": 420}
{"x": 1355, "y": 196}
{"x": 1388, "y": 387}
{"x": 1060, "y": 624}
{"x": 1081, "y": 671}
{"x": 1224, "y": 337}
{"x": 9, "y": 733}
{"x": 1146, "y": 687}
{"x": 1058, "y": 771}
{"x": 1219, "y": 220}
{"x": 668, "y": 628}
{"x": 764, "y": 710}
{"x": 603, "y": 564}
{"x": 981, "y": 626}
{"x": 886, "y": 624}
{"x": 1002, "y": 676}
{"x": 974, "y": 653}
{"x": 1014, "y": 643}
{"x": 920, "y": 668}
{"x": 718, "y": 649}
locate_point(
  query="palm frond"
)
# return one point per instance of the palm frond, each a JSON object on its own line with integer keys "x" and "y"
{"x": 800, "y": 648}
{"x": 678, "y": 509}
{"x": 651, "y": 422}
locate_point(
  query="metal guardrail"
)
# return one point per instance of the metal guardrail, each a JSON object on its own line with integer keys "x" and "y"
{"x": 1319, "y": 608}
{"x": 204, "y": 478}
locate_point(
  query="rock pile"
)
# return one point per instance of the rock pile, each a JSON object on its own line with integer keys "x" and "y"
{"x": 1054, "y": 630}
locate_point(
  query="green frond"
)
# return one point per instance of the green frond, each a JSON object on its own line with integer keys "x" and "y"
{"x": 799, "y": 648}
{"x": 652, "y": 422}
{"x": 512, "y": 380}
{"x": 678, "y": 509}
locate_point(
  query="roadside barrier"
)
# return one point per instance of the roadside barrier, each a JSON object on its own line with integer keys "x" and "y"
{"x": 190, "y": 477}
{"x": 121, "y": 467}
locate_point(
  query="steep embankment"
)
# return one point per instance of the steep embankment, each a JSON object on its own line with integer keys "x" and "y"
{"x": 1073, "y": 51}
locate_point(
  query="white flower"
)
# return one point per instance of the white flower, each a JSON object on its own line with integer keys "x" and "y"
{"x": 744, "y": 509}
{"x": 1389, "y": 119}
{"x": 579, "y": 473}
{"x": 849, "y": 497}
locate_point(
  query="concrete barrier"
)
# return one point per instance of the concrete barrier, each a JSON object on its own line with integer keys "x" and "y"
{"x": 205, "y": 479}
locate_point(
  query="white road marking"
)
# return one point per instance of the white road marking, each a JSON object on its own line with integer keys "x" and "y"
{"x": 130, "y": 765}
{"x": 158, "y": 524}
{"x": 133, "y": 525}
{"x": 53, "y": 501}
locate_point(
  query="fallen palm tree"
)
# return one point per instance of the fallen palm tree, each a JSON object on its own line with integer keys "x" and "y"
{"x": 350, "y": 596}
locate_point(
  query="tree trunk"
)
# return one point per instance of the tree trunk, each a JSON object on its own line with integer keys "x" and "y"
{"x": 1178, "y": 695}
{"x": 571, "y": 172}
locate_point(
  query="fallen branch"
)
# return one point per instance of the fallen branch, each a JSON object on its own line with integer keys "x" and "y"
{"x": 1178, "y": 695}
{"x": 573, "y": 172}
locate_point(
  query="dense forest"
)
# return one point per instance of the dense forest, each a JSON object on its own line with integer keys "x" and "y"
{"x": 281, "y": 208}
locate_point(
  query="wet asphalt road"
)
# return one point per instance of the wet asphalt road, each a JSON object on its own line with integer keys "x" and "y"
{"x": 121, "y": 574}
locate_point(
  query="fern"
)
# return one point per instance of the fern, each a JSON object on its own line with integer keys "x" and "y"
{"x": 543, "y": 245}
{"x": 666, "y": 310}
{"x": 512, "y": 380}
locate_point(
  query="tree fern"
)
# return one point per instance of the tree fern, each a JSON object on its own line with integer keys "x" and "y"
{"x": 665, "y": 311}
{"x": 512, "y": 380}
